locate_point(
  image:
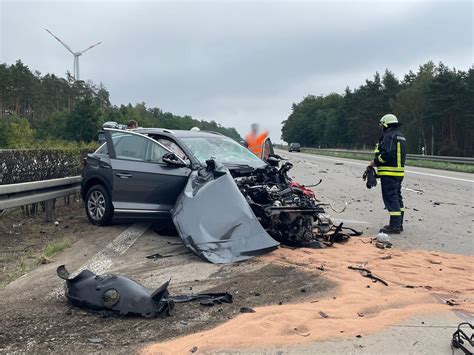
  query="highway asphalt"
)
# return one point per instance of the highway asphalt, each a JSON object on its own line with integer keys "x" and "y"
{"x": 439, "y": 204}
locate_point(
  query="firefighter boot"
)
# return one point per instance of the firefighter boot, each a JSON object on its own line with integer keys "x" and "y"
{"x": 387, "y": 226}
{"x": 394, "y": 227}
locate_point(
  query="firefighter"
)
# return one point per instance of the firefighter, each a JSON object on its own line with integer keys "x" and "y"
{"x": 255, "y": 140}
{"x": 390, "y": 153}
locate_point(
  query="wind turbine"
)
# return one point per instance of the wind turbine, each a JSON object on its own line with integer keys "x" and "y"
{"x": 75, "y": 54}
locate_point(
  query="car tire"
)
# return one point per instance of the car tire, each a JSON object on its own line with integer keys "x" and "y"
{"x": 99, "y": 207}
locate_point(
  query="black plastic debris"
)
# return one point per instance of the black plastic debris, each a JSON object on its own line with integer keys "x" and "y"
{"x": 158, "y": 256}
{"x": 461, "y": 340}
{"x": 107, "y": 294}
{"x": 206, "y": 299}
{"x": 367, "y": 273}
{"x": 247, "y": 310}
{"x": 115, "y": 294}
{"x": 323, "y": 315}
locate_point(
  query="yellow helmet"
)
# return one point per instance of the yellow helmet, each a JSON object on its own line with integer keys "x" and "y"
{"x": 388, "y": 119}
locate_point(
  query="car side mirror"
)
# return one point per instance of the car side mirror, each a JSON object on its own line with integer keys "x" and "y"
{"x": 172, "y": 160}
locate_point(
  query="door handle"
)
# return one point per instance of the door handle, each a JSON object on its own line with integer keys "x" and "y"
{"x": 123, "y": 175}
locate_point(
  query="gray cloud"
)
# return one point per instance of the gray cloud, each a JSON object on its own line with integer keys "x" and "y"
{"x": 235, "y": 62}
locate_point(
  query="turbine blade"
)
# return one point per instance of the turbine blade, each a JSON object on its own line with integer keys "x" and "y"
{"x": 64, "y": 44}
{"x": 85, "y": 50}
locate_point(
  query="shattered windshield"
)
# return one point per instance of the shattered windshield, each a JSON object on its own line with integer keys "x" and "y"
{"x": 223, "y": 149}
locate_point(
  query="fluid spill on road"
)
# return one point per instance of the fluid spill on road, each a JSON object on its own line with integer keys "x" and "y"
{"x": 418, "y": 281}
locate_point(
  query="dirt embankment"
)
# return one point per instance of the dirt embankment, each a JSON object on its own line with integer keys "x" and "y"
{"x": 418, "y": 282}
{"x": 23, "y": 239}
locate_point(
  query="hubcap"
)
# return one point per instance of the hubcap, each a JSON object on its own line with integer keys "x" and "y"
{"x": 96, "y": 205}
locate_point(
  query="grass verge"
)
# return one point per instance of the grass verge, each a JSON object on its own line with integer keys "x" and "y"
{"x": 31, "y": 261}
{"x": 464, "y": 168}
{"x": 55, "y": 247}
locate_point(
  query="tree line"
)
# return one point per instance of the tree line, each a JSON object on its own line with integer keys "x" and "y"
{"x": 47, "y": 110}
{"x": 435, "y": 106}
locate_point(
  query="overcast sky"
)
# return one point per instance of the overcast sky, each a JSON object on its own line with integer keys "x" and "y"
{"x": 235, "y": 62}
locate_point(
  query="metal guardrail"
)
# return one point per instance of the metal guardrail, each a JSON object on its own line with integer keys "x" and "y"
{"x": 17, "y": 195}
{"x": 440, "y": 158}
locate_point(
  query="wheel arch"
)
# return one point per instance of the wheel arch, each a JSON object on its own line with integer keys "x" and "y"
{"x": 96, "y": 180}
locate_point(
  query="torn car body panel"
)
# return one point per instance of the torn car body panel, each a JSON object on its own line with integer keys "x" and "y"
{"x": 215, "y": 220}
{"x": 118, "y": 294}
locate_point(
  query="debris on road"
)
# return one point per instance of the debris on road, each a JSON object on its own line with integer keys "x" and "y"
{"x": 460, "y": 339}
{"x": 95, "y": 340}
{"x": 206, "y": 299}
{"x": 247, "y": 310}
{"x": 323, "y": 315}
{"x": 157, "y": 256}
{"x": 452, "y": 302}
{"x": 367, "y": 273}
{"x": 118, "y": 294}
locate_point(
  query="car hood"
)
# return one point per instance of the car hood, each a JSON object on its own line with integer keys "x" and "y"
{"x": 215, "y": 221}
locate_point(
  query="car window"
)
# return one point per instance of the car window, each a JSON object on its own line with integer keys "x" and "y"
{"x": 171, "y": 145}
{"x": 133, "y": 147}
{"x": 102, "y": 149}
{"x": 221, "y": 148}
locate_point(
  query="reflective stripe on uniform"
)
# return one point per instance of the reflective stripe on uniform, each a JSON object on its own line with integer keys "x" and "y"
{"x": 376, "y": 150}
{"x": 399, "y": 155}
{"x": 395, "y": 213}
{"x": 390, "y": 168}
{"x": 402, "y": 209}
{"x": 390, "y": 173}
{"x": 379, "y": 157}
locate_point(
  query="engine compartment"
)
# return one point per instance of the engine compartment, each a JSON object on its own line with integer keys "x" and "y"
{"x": 288, "y": 211}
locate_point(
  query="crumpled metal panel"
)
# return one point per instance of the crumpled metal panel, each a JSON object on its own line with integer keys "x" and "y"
{"x": 215, "y": 221}
{"x": 111, "y": 293}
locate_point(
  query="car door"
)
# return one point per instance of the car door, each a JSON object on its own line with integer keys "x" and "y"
{"x": 142, "y": 182}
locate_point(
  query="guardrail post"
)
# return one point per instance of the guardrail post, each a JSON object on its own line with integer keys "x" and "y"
{"x": 49, "y": 215}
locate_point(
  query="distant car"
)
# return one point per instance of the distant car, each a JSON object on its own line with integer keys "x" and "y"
{"x": 294, "y": 147}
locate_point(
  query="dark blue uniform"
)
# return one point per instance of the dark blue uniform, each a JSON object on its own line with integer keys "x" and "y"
{"x": 390, "y": 154}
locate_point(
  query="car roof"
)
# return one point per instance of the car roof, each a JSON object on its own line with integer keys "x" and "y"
{"x": 178, "y": 133}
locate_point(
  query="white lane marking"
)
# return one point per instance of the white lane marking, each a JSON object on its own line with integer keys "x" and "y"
{"x": 419, "y": 192}
{"x": 102, "y": 261}
{"x": 351, "y": 221}
{"x": 407, "y": 171}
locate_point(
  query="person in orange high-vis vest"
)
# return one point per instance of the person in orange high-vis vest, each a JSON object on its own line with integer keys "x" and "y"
{"x": 255, "y": 140}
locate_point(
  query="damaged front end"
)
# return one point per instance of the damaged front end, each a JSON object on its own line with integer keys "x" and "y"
{"x": 228, "y": 214}
{"x": 288, "y": 211}
{"x": 214, "y": 219}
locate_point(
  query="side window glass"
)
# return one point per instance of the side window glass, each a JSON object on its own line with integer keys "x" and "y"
{"x": 168, "y": 143}
{"x": 156, "y": 152}
{"x": 132, "y": 147}
{"x": 103, "y": 149}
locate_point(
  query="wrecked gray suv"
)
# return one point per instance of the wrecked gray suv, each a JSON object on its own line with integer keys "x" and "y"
{"x": 226, "y": 204}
